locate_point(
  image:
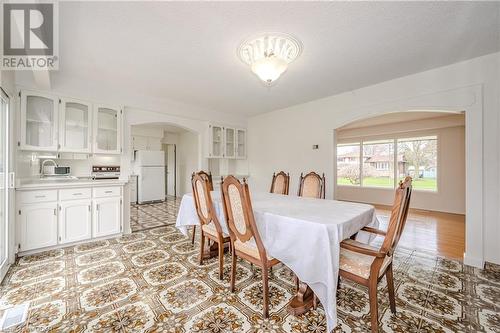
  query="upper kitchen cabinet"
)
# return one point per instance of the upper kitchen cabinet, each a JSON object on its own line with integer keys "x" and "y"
{"x": 241, "y": 143}
{"x": 227, "y": 142}
{"x": 39, "y": 121}
{"x": 216, "y": 141}
{"x": 75, "y": 126}
{"x": 107, "y": 129}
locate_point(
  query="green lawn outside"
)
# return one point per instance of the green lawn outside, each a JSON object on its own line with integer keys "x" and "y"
{"x": 418, "y": 184}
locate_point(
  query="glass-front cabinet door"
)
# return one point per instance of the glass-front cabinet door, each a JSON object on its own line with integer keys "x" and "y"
{"x": 39, "y": 120}
{"x": 241, "y": 143}
{"x": 230, "y": 142}
{"x": 74, "y": 128}
{"x": 107, "y": 129}
{"x": 216, "y": 141}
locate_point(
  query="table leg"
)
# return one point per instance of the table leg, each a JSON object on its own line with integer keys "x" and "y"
{"x": 213, "y": 250}
{"x": 303, "y": 301}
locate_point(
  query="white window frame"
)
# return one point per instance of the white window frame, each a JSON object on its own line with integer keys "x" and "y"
{"x": 360, "y": 142}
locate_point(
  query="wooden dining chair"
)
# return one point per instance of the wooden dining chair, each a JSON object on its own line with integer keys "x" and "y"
{"x": 245, "y": 238}
{"x": 207, "y": 176}
{"x": 210, "y": 225}
{"x": 312, "y": 185}
{"x": 367, "y": 265}
{"x": 280, "y": 183}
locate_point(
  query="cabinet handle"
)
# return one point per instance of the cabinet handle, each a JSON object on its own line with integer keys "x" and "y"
{"x": 55, "y": 211}
{"x": 39, "y": 196}
{"x": 77, "y": 193}
{"x": 97, "y": 207}
{"x": 108, "y": 191}
{"x": 89, "y": 208}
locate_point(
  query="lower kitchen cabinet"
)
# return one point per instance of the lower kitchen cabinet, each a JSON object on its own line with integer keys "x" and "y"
{"x": 107, "y": 216}
{"x": 75, "y": 221}
{"x": 38, "y": 223}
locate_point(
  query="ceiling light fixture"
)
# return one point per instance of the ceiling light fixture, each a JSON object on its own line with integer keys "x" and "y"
{"x": 268, "y": 55}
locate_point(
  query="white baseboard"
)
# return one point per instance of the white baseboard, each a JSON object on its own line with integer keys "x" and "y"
{"x": 473, "y": 261}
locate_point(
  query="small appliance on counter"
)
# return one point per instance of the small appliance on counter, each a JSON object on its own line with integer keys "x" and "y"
{"x": 54, "y": 169}
{"x": 105, "y": 172}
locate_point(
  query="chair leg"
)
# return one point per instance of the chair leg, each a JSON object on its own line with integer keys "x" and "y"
{"x": 194, "y": 233}
{"x": 233, "y": 268}
{"x": 372, "y": 291}
{"x": 202, "y": 247}
{"x": 390, "y": 287}
{"x": 220, "y": 246}
{"x": 265, "y": 290}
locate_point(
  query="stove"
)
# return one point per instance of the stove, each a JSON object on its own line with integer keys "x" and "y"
{"x": 105, "y": 172}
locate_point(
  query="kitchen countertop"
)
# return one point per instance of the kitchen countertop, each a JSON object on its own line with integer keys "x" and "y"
{"x": 37, "y": 183}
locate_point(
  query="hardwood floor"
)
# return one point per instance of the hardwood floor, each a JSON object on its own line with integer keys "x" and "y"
{"x": 440, "y": 233}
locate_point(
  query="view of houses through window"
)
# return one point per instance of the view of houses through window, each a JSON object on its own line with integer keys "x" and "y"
{"x": 385, "y": 162}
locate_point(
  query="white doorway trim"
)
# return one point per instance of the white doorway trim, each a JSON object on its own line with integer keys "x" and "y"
{"x": 467, "y": 99}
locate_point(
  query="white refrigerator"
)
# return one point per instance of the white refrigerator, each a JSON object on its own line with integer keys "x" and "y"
{"x": 150, "y": 169}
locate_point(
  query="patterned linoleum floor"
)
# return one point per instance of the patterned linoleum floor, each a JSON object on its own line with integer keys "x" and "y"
{"x": 147, "y": 216}
{"x": 150, "y": 281}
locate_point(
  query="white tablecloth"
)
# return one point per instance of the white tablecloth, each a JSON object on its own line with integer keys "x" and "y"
{"x": 303, "y": 233}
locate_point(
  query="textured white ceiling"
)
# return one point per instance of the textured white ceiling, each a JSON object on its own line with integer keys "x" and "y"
{"x": 186, "y": 51}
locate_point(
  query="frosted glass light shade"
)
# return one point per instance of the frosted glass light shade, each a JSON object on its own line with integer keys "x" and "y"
{"x": 269, "y": 55}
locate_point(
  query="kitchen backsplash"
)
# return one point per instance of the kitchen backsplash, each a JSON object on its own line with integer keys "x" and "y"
{"x": 28, "y": 163}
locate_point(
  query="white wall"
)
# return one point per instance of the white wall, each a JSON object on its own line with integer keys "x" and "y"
{"x": 450, "y": 196}
{"x": 187, "y": 161}
{"x": 283, "y": 139}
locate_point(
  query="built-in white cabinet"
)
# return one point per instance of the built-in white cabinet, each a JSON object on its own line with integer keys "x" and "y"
{"x": 75, "y": 126}
{"x": 38, "y": 225}
{"x": 226, "y": 142}
{"x": 140, "y": 142}
{"x": 229, "y": 142}
{"x": 58, "y": 124}
{"x": 107, "y": 129}
{"x": 241, "y": 143}
{"x": 216, "y": 141}
{"x": 50, "y": 217}
{"x": 75, "y": 220}
{"x": 107, "y": 212}
{"x": 39, "y": 121}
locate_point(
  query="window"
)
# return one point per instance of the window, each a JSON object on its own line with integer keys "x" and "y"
{"x": 348, "y": 166}
{"x": 378, "y": 162}
{"x": 420, "y": 161}
{"x": 385, "y": 162}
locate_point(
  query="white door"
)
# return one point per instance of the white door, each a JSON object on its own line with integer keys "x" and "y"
{"x": 151, "y": 184}
{"x": 107, "y": 129}
{"x": 4, "y": 186}
{"x": 75, "y": 221}
{"x": 170, "y": 169}
{"x": 38, "y": 224}
{"x": 75, "y": 126}
{"x": 107, "y": 216}
{"x": 39, "y": 121}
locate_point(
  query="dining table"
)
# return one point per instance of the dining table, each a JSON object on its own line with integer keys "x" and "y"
{"x": 304, "y": 234}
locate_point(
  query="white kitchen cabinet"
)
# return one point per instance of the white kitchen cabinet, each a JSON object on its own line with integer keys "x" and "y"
{"x": 38, "y": 121}
{"x": 107, "y": 129}
{"x": 107, "y": 216}
{"x": 75, "y": 220}
{"x": 75, "y": 126}
{"x": 38, "y": 224}
{"x": 229, "y": 142}
{"x": 216, "y": 141}
{"x": 241, "y": 143}
{"x": 140, "y": 142}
